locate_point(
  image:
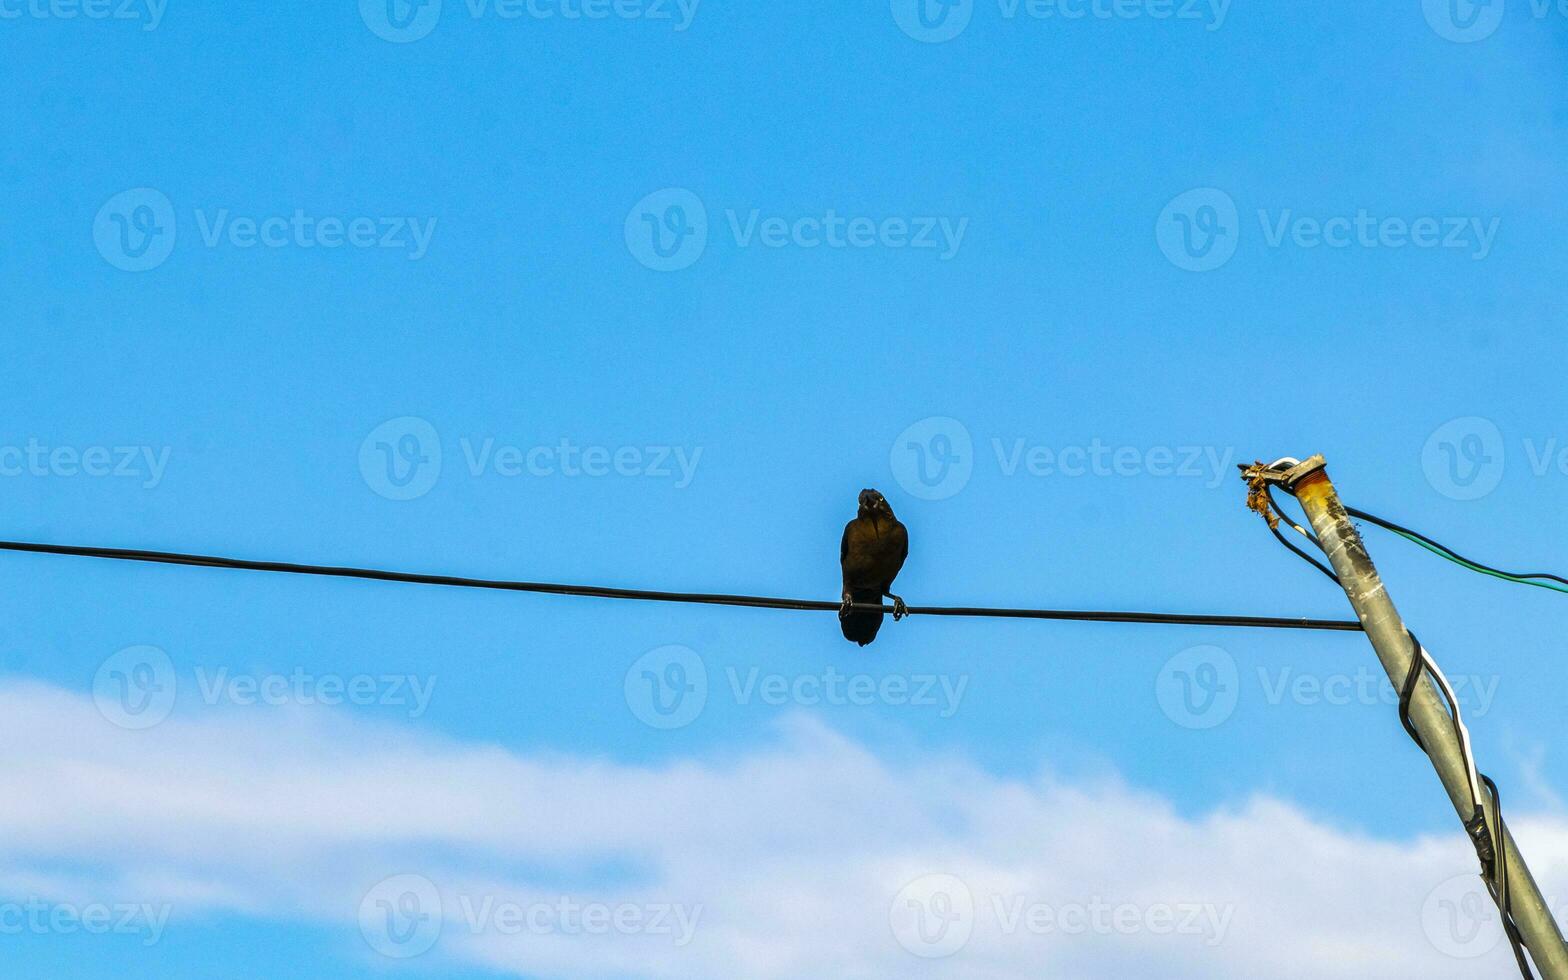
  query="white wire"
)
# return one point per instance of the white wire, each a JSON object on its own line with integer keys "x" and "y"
{"x": 1280, "y": 511}
{"x": 1464, "y": 733}
{"x": 1299, "y": 529}
{"x": 1498, "y": 888}
{"x": 1471, "y": 774}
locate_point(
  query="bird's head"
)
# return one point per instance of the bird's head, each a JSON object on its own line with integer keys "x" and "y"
{"x": 873, "y": 503}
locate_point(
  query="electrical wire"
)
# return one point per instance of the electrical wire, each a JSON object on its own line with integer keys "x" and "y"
{"x": 1269, "y": 493}
{"x": 1443, "y": 551}
{"x": 1421, "y": 660}
{"x": 239, "y": 564}
{"x": 1491, "y": 842}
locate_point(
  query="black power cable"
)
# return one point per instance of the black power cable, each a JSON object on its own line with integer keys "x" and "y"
{"x": 1539, "y": 579}
{"x": 1491, "y": 845}
{"x": 1269, "y": 493}
{"x": 765, "y": 602}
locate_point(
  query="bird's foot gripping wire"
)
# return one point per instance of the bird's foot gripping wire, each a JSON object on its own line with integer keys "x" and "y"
{"x": 899, "y": 609}
{"x": 846, "y": 607}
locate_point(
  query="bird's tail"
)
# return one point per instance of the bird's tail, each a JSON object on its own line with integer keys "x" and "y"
{"x": 861, "y": 625}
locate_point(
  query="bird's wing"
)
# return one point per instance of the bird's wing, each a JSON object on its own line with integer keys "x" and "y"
{"x": 901, "y": 537}
{"x": 843, "y": 544}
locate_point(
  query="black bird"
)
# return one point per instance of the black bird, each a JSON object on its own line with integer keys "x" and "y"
{"x": 873, "y": 550}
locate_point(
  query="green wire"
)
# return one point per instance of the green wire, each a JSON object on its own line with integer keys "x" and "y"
{"x": 1484, "y": 571}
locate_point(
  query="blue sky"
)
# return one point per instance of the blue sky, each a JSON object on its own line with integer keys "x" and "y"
{"x": 247, "y": 253}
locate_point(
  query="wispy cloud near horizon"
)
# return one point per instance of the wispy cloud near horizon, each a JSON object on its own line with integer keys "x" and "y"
{"x": 810, "y": 856}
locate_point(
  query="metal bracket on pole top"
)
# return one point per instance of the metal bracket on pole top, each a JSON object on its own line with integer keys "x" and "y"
{"x": 1278, "y": 473}
{"x": 1286, "y": 472}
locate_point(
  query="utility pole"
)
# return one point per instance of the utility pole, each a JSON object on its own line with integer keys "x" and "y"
{"x": 1310, "y": 484}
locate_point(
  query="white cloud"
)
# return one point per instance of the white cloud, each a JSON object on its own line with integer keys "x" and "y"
{"x": 797, "y": 860}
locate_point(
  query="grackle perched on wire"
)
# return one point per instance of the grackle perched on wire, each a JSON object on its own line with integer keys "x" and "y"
{"x": 873, "y": 550}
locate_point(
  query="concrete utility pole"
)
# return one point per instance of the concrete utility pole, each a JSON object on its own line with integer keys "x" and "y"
{"x": 1310, "y": 484}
